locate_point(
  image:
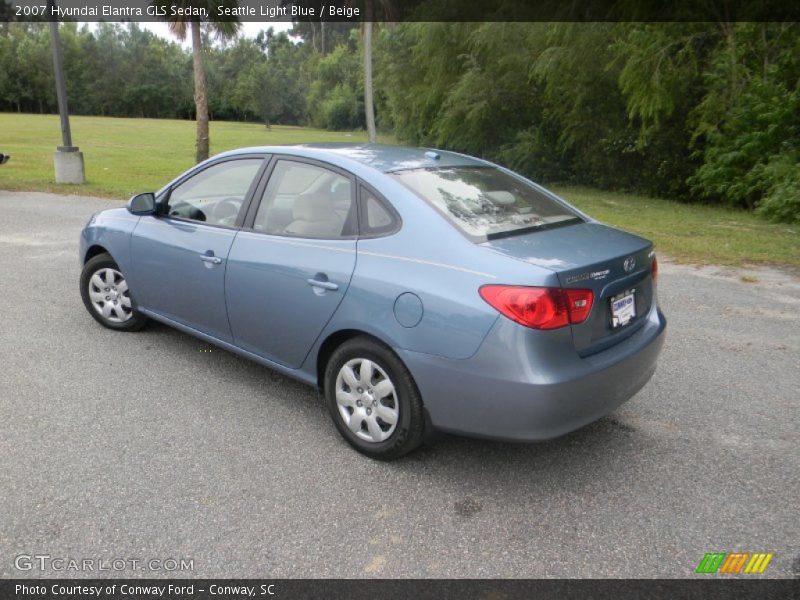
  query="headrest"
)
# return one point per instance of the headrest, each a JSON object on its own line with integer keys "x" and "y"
{"x": 314, "y": 206}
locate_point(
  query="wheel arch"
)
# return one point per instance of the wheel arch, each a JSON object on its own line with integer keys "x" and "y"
{"x": 94, "y": 250}
{"x": 332, "y": 342}
{"x": 337, "y": 338}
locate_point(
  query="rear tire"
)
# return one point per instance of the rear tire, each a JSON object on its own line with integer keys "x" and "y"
{"x": 373, "y": 399}
{"x": 106, "y": 295}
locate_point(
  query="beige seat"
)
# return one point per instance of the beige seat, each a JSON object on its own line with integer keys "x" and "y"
{"x": 314, "y": 216}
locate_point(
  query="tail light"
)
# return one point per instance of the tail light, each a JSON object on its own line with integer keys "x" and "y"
{"x": 654, "y": 270}
{"x": 539, "y": 307}
{"x": 579, "y": 304}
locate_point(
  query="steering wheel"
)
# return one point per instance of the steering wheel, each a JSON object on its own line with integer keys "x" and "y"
{"x": 184, "y": 210}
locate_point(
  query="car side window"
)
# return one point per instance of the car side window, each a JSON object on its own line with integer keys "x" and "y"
{"x": 376, "y": 218}
{"x": 305, "y": 200}
{"x": 215, "y": 195}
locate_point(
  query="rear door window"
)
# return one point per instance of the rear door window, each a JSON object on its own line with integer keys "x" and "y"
{"x": 305, "y": 200}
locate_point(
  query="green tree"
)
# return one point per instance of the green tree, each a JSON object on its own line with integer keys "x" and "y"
{"x": 335, "y": 95}
{"x": 749, "y": 120}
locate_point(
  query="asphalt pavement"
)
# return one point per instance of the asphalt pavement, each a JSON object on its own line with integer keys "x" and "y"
{"x": 148, "y": 446}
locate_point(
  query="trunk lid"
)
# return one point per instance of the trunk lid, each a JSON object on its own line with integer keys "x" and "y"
{"x": 610, "y": 262}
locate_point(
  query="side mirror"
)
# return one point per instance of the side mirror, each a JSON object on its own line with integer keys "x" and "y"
{"x": 4, "y": 158}
{"x": 143, "y": 204}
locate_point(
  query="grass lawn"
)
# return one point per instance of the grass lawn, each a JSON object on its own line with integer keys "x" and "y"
{"x": 692, "y": 233}
{"x": 124, "y": 156}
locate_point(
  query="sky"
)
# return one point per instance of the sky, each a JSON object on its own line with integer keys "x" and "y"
{"x": 248, "y": 29}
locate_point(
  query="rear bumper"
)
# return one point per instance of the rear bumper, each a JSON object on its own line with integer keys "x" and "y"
{"x": 525, "y": 385}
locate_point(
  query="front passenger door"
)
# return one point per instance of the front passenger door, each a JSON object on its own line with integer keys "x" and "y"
{"x": 180, "y": 256}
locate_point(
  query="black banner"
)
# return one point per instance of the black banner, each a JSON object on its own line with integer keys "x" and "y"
{"x": 407, "y": 10}
{"x": 383, "y": 589}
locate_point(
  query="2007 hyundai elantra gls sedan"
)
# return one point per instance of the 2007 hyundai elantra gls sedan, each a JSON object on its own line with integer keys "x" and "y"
{"x": 420, "y": 290}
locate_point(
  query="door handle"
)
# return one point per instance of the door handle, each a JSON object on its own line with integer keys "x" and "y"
{"x": 325, "y": 285}
{"x": 214, "y": 260}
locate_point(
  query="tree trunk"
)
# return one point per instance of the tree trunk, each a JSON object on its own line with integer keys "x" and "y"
{"x": 765, "y": 51}
{"x": 368, "y": 92}
{"x": 200, "y": 100}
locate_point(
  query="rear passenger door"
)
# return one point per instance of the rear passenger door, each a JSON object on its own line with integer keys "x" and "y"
{"x": 291, "y": 264}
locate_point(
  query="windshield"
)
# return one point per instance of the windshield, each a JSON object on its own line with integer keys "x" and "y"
{"x": 485, "y": 202}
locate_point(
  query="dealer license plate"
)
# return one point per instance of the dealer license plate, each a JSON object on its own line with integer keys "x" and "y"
{"x": 623, "y": 308}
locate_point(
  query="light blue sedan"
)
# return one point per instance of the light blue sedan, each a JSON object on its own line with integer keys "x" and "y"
{"x": 420, "y": 290}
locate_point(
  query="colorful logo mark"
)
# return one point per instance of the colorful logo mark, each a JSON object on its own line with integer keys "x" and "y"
{"x": 734, "y": 562}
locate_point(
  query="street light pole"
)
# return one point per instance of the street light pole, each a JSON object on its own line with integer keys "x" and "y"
{"x": 68, "y": 160}
{"x": 61, "y": 88}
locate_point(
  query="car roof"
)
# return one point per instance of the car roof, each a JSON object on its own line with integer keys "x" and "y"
{"x": 381, "y": 157}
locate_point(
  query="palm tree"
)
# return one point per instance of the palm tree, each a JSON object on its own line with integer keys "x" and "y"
{"x": 369, "y": 107}
{"x": 182, "y": 24}
{"x": 369, "y": 17}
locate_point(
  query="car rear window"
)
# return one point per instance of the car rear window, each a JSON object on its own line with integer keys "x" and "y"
{"x": 485, "y": 202}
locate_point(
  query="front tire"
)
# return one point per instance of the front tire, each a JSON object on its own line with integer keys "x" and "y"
{"x": 373, "y": 399}
{"x": 107, "y": 297}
